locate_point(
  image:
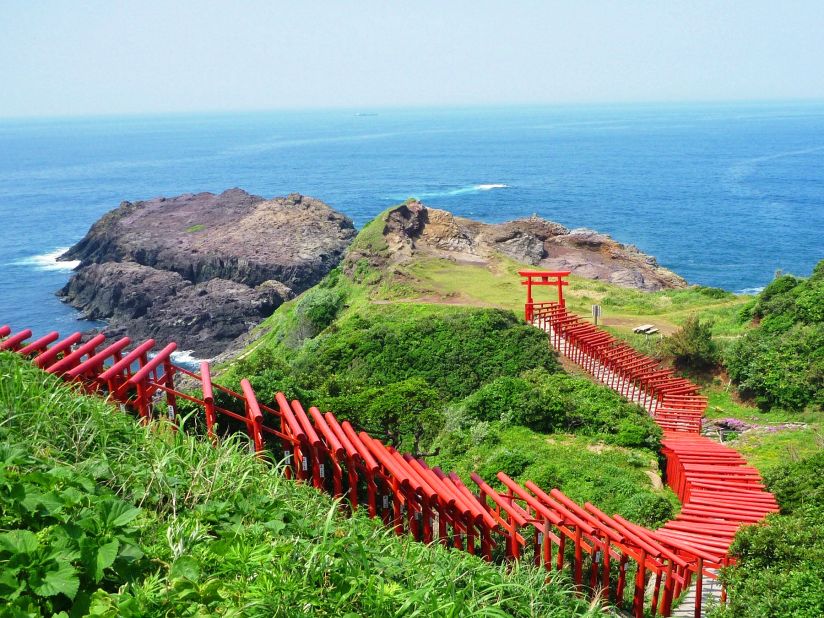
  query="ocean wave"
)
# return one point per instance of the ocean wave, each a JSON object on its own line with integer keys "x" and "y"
{"x": 48, "y": 261}
{"x": 187, "y": 358}
{"x": 756, "y": 290}
{"x": 736, "y": 176}
{"x": 450, "y": 192}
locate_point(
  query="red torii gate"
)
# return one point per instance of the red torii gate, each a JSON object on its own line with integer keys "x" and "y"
{"x": 542, "y": 277}
{"x": 718, "y": 490}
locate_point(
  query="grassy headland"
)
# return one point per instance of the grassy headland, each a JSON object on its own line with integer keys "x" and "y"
{"x": 441, "y": 344}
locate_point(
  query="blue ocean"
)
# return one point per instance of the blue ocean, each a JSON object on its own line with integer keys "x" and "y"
{"x": 724, "y": 195}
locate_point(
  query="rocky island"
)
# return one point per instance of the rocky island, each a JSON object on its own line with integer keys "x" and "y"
{"x": 202, "y": 269}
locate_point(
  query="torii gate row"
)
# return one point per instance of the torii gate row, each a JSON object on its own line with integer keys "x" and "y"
{"x": 319, "y": 451}
{"x": 408, "y": 495}
{"x": 719, "y": 491}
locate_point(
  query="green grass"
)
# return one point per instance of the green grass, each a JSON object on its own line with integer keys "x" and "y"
{"x": 497, "y": 284}
{"x": 615, "y": 479}
{"x": 430, "y": 289}
{"x": 429, "y": 280}
{"x": 195, "y": 228}
{"x": 223, "y": 533}
{"x": 373, "y": 346}
{"x": 767, "y": 449}
{"x": 724, "y": 404}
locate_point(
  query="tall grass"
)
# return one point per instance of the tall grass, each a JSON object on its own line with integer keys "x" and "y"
{"x": 224, "y": 533}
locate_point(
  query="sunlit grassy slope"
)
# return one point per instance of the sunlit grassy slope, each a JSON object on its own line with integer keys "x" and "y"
{"x": 497, "y": 284}
{"x": 396, "y": 293}
{"x": 211, "y": 531}
{"x": 430, "y": 280}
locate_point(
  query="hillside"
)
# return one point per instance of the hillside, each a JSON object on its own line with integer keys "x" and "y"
{"x": 465, "y": 384}
{"x": 421, "y": 331}
{"x": 418, "y": 279}
{"x": 490, "y": 428}
{"x": 101, "y": 515}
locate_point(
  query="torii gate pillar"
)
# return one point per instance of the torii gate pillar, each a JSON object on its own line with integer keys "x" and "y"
{"x": 539, "y": 278}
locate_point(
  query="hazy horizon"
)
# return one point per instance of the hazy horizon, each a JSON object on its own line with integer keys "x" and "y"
{"x": 456, "y": 107}
{"x": 152, "y": 58}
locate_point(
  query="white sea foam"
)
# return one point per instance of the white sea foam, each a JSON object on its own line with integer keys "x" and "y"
{"x": 186, "y": 357}
{"x": 48, "y": 261}
{"x": 756, "y": 290}
{"x": 450, "y": 192}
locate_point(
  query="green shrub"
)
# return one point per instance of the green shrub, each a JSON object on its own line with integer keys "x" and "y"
{"x": 549, "y": 403}
{"x": 798, "y": 483}
{"x": 778, "y": 570}
{"x": 456, "y": 352}
{"x": 692, "y": 345}
{"x": 402, "y": 413}
{"x": 319, "y": 307}
{"x": 778, "y": 562}
{"x": 781, "y": 361}
{"x": 784, "y": 369}
{"x": 511, "y": 398}
{"x": 715, "y": 293}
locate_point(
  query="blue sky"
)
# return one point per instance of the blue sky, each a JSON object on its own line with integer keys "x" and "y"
{"x": 96, "y": 57}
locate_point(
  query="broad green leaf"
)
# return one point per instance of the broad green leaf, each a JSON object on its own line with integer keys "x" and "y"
{"x": 187, "y": 567}
{"x": 117, "y": 513}
{"x": 8, "y": 580}
{"x": 51, "y": 502}
{"x": 70, "y": 495}
{"x": 275, "y": 525}
{"x": 63, "y": 580}
{"x": 106, "y": 555}
{"x": 102, "y": 604}
{"x": 130, "y": 551}
{"x": 19, "y": 541}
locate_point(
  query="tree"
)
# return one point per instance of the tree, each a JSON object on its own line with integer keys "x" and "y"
{"x": 406, "y": 410}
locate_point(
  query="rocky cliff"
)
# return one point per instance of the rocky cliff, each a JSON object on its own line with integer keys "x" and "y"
{"x": 202, "y": 269}
{"x": 414, "y": 229}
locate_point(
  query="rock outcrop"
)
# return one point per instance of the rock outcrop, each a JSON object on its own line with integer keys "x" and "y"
{"x": 414, "y": 228}
{"x": 202, "y": 269}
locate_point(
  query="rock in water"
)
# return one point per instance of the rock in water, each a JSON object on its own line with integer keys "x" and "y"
{"x": 202, "y": 269}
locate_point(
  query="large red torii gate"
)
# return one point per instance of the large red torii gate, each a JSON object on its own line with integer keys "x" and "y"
{"x": 542, "y": 277}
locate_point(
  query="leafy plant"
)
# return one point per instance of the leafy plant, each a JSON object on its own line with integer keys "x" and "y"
{"x": 778, "y": 562}
{"x": 781, "y": 361}
{"x": 557, "y": 402}
{"x": 62, "y": 537}
{"x": 692, "y": 345}
{"x": 402, "y": 413}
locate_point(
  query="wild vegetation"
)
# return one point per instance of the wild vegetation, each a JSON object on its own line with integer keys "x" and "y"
{"x": 101, "y": 516}
{"x": 692, "y": 345}
{"x": 780, "y": 363}
{"x": 429, "y": 356}
{"x": 778, "y": 569}
{"x": 463, "y": 385}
